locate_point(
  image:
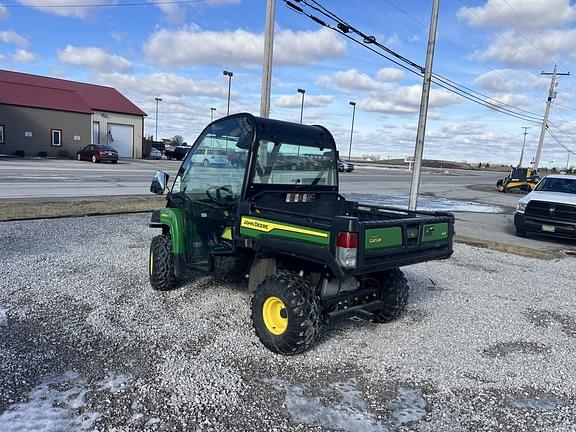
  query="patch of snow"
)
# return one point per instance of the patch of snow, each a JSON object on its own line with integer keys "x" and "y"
{"x": 349, "y": 414}
{"x": 424, "y": 203}
{"x": 3, "y": 317}
{"x": 113, "y": 383}
{"x": 51, "y": 406}
{"x": 408, "y": 406}
{"x": 59, "y": 403}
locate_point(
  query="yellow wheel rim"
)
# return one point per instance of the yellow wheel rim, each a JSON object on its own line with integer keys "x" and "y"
{"x": 275, "y": 316}
{"x": 151, "y": 262}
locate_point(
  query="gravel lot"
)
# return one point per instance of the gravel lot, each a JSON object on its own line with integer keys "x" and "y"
{"x": 488, "y": 343}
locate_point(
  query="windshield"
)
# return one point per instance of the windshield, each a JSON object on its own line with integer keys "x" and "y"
{"x": 214, "y": 167}
{"x": 281, "y": 163}
{"x": 564, "y": 185}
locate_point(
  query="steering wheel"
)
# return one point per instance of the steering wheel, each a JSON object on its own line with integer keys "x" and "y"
{"x": 216, "y": 195}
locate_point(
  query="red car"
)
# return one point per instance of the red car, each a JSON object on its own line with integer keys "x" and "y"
{"x": 98, "y": 153}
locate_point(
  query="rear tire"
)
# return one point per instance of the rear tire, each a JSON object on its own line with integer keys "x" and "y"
{"x": 206, "y": 163}
{"x": 285, "y": 314}
{"x": 115, "y": 161}
{"x": 78, "y": 157}
{"x": 161, "y": 264}
{"x": 393, "y": 292}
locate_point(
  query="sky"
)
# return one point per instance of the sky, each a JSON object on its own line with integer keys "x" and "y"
{"x": 178, "y": 50}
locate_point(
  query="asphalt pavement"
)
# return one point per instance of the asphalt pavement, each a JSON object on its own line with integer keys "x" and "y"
{"x": 486, "y": 343}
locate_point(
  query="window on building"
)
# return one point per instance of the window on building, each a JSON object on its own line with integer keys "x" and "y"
{"x": 56, "y": 137}
{"x": 1, "y": 134}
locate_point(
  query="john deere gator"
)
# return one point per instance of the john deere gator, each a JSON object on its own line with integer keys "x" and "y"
{"x": 309, "y": 255}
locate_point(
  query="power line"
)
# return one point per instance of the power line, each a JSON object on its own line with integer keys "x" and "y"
{"x": 559, "y": 143}
{"x": 546, "y": 48}
{"x": 463, "y": 51}
{"x": 102, "y": 5}
{"x": 345, "y": 28}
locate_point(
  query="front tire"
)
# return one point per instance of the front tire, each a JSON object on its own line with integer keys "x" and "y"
{"x": 393, "y": 292}
{"x": 161, "y": 264}
{"x": 285, "y": 314}
{"x": 206, "y": 163}
{"x": 94, "y": 160}
{"x": 520, "y": 232}
{"x": 78, "y": 157}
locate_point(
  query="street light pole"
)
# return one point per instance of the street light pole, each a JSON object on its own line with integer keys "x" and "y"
{"x": 229, "y": 75}
{"x": 212, "y": 114}
{"x": 523, "y": 145}
{"x": 352, "y": 128}
{"x": 157, "y": 100}
{"x": 302, "y": 106}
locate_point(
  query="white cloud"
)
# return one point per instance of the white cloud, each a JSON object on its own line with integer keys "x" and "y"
{"x": 354, "y": 80}
{"x": 3, "y": 12}
{"x": 510, "y": 81}
{"x": 295, "y": 100}
{"x": 163, "y": 84}
{"x": 406, "y": 100}
{"x": 23, "y": 56}
{"x": 93, "y": 58}
{"x": 521, "y": 13}
{"x": 390, "y": 74}
{"x": 193, "y": 46}
{"x": 515, "y": 49}
{"x": 174, "y": 12}
{"x": 11, "y": 37}
{"x": 80, "y": 9}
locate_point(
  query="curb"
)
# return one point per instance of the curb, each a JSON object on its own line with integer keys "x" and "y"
{"x": 77, "y": 207}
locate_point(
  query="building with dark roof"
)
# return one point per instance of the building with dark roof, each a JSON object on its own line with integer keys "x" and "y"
{"x": 56, "y": 117}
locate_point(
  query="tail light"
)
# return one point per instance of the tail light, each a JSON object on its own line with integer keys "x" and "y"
{"x": 347, "y": 248}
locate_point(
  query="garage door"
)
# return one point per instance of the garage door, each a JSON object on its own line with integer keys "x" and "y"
{"x": 121, "y": 137}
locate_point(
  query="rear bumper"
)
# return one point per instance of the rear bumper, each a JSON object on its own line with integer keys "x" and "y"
{"x": 107, "y": 158}
{"x": 545, "y": 226}
{"x": 399, "y": 258}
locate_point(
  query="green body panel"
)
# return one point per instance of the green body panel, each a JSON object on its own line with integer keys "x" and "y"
{"x": 383, "y": 238}
{"x": 173, "y": 218}
{"x": 259, "y": 228}
{"x": 434, "y": 232}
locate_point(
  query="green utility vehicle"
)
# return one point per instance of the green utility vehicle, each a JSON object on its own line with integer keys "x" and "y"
{"x": 270, "y": 210}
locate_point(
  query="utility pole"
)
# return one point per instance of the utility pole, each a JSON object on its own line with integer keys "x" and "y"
{"x": 268, "y": 54}
{"x": 419, "y": 149}
{"x": 568, "y": 161}
{"x": 523, "y": 145}
{"x": 551, "y": 96}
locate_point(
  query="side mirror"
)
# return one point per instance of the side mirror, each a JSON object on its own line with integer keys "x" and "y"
{"x": 159, "y": 183}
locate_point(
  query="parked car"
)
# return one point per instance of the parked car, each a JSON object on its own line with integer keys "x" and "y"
{"x": 210, "y": 157}
{"x": 177, "y": 153}
{"x": 549, "y": 209}
{"x": 155, "y": 153}
{"x": 345, "y": 166}
{"x": 98, "y": 153}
